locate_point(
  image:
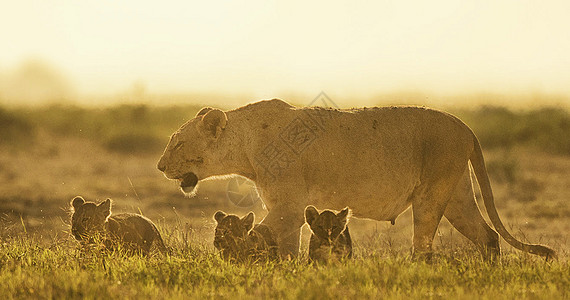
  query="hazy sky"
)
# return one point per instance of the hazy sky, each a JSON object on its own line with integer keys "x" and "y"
{"x": 269, "y": 47}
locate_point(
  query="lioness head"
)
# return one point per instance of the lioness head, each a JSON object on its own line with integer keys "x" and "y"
{"x": 232, "y": 233}
{"x": 88, "y": 219}
{"x": 190, "y": 154}
{"x": 327, "y": 225}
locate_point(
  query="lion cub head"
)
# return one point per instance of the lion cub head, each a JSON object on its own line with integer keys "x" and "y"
{"x": 93, "y": 224}
{"x": 330, "y": 238}
{"x": 238, "y": 239}
{"x": 231, "y": 234}
{"x": 88, "y": 219}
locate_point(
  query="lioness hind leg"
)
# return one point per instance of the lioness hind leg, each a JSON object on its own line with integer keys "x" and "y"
{"x": 427, "y": 213}
{"x": 429, "y": 202}
{"x": 464, "y": 214}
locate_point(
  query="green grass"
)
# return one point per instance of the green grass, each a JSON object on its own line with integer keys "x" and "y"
{"x": 62, "y": 269}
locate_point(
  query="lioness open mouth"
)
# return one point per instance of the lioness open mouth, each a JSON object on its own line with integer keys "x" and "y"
{"x": 189, "y": 182}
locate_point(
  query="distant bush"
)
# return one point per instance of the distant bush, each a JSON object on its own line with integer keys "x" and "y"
{"x": 14, "y": 128}
{"x": 135, "y": 143}
{"x": 546, "y": 129}
{"x": 117, "y": 127}
{"x": 122, "y": 128}
{"x": 504, "y": 169}
{"x": 494, "y": 126}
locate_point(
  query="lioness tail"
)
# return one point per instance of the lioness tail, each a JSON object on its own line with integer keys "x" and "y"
{"x": 478, "y": 164}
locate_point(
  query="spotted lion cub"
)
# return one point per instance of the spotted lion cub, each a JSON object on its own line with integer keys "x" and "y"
{"x": 238, "y": 240}
{"x": 330, "y": 239}
{"x": 91, "y": 222}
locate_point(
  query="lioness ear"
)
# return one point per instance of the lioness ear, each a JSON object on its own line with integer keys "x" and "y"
{"x": 311, "y": 214}
{"x": 77, "y": 202}
{"x": 105, "y": 207}
{"x": 343, "y": 215}
{"x": 248, "y": 221}
{"x": 203, "y": 111}
{"x": 213, "y": 122}
{"x": 219, "y": 215}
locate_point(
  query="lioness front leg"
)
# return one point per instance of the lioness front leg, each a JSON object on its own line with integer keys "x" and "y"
{"x": 286, "y": 225}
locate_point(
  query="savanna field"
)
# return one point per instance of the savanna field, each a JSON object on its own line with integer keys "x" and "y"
{"x": 50, "y": 154}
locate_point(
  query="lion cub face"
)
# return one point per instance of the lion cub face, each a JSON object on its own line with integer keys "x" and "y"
{"x": 330, "y": 239}
{"x": 232, "y": 234}
{"x": 88, "y": 219}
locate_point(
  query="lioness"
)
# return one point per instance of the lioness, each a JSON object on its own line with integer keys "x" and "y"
{"x": 330, "y": 239}
{"x": 238, "y": 240}
{"x": 133, "y": 232}
{"x": 378, "y": 161}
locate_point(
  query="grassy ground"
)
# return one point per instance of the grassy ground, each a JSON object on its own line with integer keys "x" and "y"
{"x": 49, "y": 155}
{"x": 61, "y": 270}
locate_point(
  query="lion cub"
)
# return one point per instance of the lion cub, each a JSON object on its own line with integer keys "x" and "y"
{"x": 133, "y": 232}
{"x": 239, "y": 240}
{"x": 330, "y": 239}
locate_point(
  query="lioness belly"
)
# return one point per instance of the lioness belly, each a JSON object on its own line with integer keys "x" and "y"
{"x": 369, "y": 161}
{"x": 371, "y": 199}
{"x": 373, "y": 175}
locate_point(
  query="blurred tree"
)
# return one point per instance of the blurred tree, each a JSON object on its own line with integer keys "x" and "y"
{"x": 34, "y": 82}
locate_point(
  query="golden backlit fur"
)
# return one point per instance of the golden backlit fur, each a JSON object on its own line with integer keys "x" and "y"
{"x": 91, "y": 223}
{"x": 330, "y": 238}
{"x": 378, "y": 161}
{"x": 238, "y": 240}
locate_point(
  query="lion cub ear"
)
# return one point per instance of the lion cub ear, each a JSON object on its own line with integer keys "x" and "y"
{"x": 213, "y": 122}
{"x": 248, "y": 221}
{"x": 219, "y": 216}
{"x": 77, "y": 202}
{"x": 311, "y": 214}
{"x": 105, "y": 207}
{"x": 343, "y": 215}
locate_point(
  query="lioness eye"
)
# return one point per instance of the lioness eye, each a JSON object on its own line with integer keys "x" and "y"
{"x": 178, "y": 145}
